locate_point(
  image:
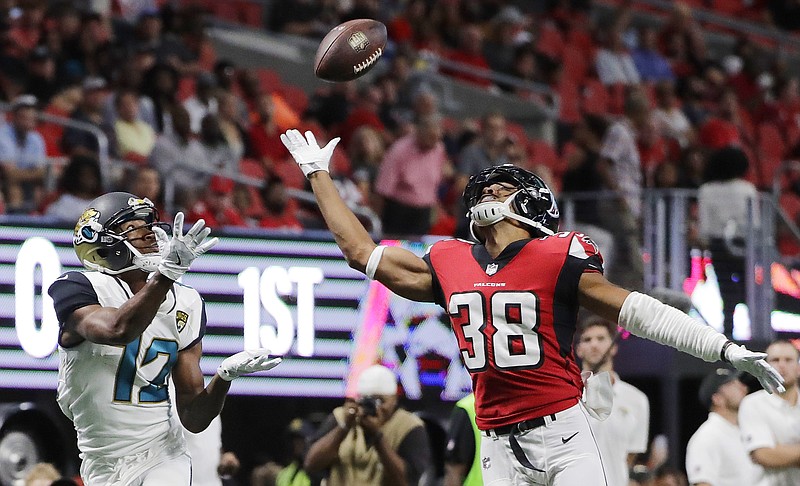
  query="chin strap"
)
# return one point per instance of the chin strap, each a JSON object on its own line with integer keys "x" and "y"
{"x": 146, "y": 262}
{"x": 490, "y": 212}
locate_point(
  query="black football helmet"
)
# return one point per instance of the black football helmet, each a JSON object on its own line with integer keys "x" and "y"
{"x": 101, "y": 246}
{"x": 533, "y": 204}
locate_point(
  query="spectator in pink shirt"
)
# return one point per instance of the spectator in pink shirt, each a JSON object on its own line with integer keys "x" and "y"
{"x": 409, "y": 178}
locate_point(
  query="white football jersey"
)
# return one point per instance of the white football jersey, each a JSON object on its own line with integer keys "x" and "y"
{"x": 117, "y": 396}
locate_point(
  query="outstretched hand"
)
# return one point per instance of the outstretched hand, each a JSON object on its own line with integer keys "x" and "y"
{"x": 246, "y": 362}
{"x": 754, "y": 363}
{"x": 306, "y": 151}
{"x": 178, "y": 252}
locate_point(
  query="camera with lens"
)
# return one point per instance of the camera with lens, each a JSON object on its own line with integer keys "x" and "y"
{"x": 370, "y": 405}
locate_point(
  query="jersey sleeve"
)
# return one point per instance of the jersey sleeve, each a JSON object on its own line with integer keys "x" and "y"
{"x": 70, "y": 292}
{"x": 583, "y": 253}
{"x": 438, "y": 293}
{"x": 196, "y": 324}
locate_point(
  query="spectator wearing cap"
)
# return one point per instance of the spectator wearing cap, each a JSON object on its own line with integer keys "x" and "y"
{"x": 204, "y": 101}
{"x": 216, "y": 205}
{"x": 770, "y": 424}
{"x": 23, "y": 157}
{"x": 298, "y": 433}
{"x": 371, "y": 441}
{"x": 715, "y": 455}
{"x": 624, "y": 434}
{"x": 90, "y": 111}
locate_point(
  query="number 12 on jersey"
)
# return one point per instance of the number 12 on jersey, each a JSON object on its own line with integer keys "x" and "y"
{"x": 156, "y": 390}
{"x": 516, "y": 344}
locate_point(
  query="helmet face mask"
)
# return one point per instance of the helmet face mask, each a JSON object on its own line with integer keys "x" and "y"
{"x": 533, "y": 204}
{"x": 98, "y": 241}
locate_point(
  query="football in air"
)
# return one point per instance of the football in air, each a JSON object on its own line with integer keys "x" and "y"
{"x": 350, "y": 50}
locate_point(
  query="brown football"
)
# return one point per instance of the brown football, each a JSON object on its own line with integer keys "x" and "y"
{"x": 350, "y": 50}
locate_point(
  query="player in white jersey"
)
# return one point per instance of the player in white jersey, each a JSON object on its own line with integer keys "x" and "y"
{"x": 624, "y": 433}
{"x": 125, "y": 326}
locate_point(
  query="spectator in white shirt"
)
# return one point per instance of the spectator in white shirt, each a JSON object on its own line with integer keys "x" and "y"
{"x": 614, "y": 63}
{"x": 715, "y": 455}
{"x": 770, "y": 424}
{"x": 668, "y": 118}
{"x": 204, "y": 102}
{"x": 624, "y": 433}
{"x": 22, "y": 157}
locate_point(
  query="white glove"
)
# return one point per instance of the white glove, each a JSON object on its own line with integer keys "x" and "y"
{"x": 178, "y": 252}
{"x": 245, "y": 362}
{"x": 306, "y": 151}
{"x": 745, "y": 360}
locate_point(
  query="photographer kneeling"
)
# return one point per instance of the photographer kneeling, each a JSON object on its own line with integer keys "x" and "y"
{"x": 371, "y": 441}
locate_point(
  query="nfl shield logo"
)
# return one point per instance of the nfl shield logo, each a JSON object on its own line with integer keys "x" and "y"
{"x": 491, "y": 269}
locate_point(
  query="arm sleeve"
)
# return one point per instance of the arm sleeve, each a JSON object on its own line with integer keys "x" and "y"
{"x": 460, "y": 447}
{"x": 649, "y": 318}
{"x": 415, "y": 451}
{"x": 70, "y": 292}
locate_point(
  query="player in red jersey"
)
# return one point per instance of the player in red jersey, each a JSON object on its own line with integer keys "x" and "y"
{"x": 513, "y": 300}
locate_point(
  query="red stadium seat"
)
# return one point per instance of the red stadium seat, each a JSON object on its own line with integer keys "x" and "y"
{"x": 550, "y": 41}
{"x": 296, "y": 97}
{"x": 770, "y": 152}
{"x": 518, "y": 131}
{"x": 575, "y": 64}
{"x": 251, "y": 13}
{"x": 270, "y": 80}
{"x": 542, "y": 152}
{"x": 595, "y": 98}
{"x": 226, "y": 10}
{"x": 569, "y": 96}
{"x": 185, "y": 88}
{"x": 616, "y": 100}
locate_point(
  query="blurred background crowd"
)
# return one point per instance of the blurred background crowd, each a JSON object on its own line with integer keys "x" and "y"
{"x": 175, "y": 118}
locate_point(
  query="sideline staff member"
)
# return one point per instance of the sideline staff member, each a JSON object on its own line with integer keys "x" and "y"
{"x": 371, "y": 441}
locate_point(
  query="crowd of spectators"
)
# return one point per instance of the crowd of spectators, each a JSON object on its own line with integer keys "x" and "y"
{"x": 641, "y": 106}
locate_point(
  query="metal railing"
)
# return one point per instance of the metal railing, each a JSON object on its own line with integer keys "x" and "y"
{"x": 666, "y": 246}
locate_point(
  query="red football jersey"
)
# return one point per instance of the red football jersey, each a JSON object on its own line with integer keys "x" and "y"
{"x": 515, "y": 317}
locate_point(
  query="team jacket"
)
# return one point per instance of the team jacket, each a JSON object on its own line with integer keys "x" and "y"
{"x": 514, "y": 318}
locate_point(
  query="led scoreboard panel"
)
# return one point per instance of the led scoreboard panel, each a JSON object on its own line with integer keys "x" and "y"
{"x": 293, "y": 294}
